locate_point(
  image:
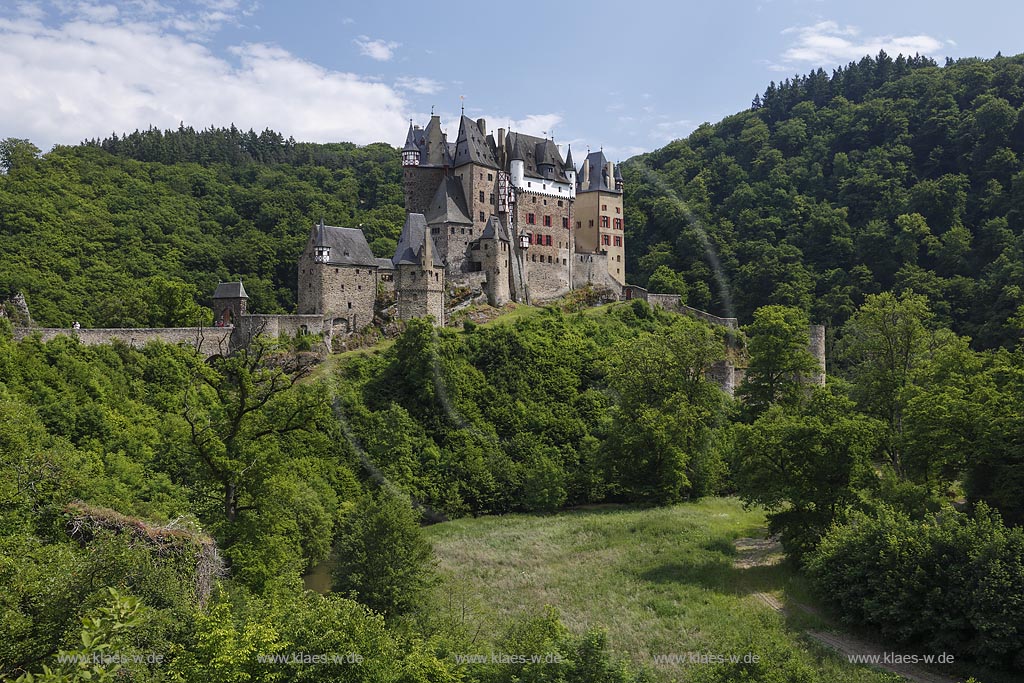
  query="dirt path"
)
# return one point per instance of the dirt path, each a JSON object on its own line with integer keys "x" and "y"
{"x": 760, "y": 552}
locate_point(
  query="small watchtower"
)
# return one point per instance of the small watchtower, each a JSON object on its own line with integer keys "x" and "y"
{"x": 230, "y": 303}
{"x": 419, "y": 272}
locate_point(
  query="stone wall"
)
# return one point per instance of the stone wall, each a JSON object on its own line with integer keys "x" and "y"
{"x": 337, "y": 293}
{"x": 420, "y": 292}
{"x": 592, "y": 269}
{"x": 671, "y": 302}
{"x": 210, "y": 341}
{"x": 420, "y": 183}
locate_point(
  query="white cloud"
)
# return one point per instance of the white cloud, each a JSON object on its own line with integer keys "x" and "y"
{"x": 83, "y": 79}
{"x": 826, "y": 43}
{"x": 419, "y": 85}
{"x": 375, "y": 48}
{"x": 536, "y": 124}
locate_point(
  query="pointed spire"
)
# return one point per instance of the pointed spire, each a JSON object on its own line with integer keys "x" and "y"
{"x": 410, "y": 140}
{"x": 568, "y": 160}
{"x": 517, "y": 152}
{"x": 618, "y": 170}
{"x": 320, "y": 233}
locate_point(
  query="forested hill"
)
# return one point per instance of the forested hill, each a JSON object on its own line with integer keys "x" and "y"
{"x": 886, "y": 175}
{"x": 137, "y": 230}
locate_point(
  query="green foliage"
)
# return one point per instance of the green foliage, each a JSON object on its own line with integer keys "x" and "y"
{"x": 384, "y": 560}
{"x": 137, "y": 231}
{"x": 887, "y": 174}
{"x": 102, "y": 631}
{"x": 951, "y": 582}
{"x": 780, "y": 362}
{"x": 805, "y": 466}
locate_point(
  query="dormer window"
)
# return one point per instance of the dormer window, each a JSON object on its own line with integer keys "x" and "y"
{"x": 322, "y": 254}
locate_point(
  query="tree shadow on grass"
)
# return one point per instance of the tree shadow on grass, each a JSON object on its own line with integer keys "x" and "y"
{"x": 719, "y": 574}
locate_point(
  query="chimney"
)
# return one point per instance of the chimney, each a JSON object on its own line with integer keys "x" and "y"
{"x": 611, "y": 174}
{"x": 586, "y": 174}
{"x": 482, "y": 125}
{"x": 501, "y": 138}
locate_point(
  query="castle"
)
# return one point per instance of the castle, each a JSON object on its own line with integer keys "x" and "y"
{"x": 504, "y": 216}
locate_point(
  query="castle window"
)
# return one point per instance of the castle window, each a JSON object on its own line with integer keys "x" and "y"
{"x": 482, "y": 217}
{"x": 547, "y": 241}
{"x": 471, "y": 231}
{"x": 360, "y": 288}
{"x": 547, "y": 221}
{"x": 492, "y": 199}
{"x": 462, "y": 231}
{"x": 336, "y": 270}
{"x": 618, "y": 209}
{"x": 529, "y": 184}
{"x": 618, "y": 258}
{"x": 618, "y": 240}
{"x": 435, "y": 231}
{"x": 481, "y": 176}
{"x": 618, "y": 224}
{"x": 579, "y": 224}
{"x": 565, "y": 222}
{"x": 605, "y": 240}
{"x": 549, "y": 258}
{"x": 453, "y": 229}
{"x": 357, "y": 271}
{"x": 490, "y": 176}
{"x": 559, "y": 201}
{"x": 350, "y": 304}
{"x": 591, "y": 222}
{"x": 533, "y": 199}
{"x": 533, "y": 257}
{"x": 481, "y": 195}
{"x": 564, "y": 262}
{"x": 604, "y": 207}
{"x": 604, "y": 221}
{"x": 531, "y": 219}
{"x": 545, "y": 202}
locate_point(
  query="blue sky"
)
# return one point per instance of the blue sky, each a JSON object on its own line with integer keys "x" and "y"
{"x": 627, "y": 76}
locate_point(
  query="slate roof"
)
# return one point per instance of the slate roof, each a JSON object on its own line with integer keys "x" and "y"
{"x": 348, "y": 245}
{"x": 230, "y": 290}
{"x": 568, "y": 160}
{"x": 449, "y": 204}
{"x": 411, "y": 242}
{"x": 410, "y": 140}
{"x": 534, "y": 151}
{"x": 599, "y": 179}
{"x": 471, "y": 145}
{"x": 495, "y": 230}
{"x": 385, "y": 264}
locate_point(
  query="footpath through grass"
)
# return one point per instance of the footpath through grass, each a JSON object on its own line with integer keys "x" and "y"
{"x": 660, "y": 581}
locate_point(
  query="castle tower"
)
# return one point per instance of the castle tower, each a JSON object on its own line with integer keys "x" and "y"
{"x": 598, "y": 208}
{"x": 411, "y": 152}
{"x": 447, "y": 216}
{"x": 419, "y": 272}
{"x": 494, "y": 252}
{"x": 338, "y": 278}
{"x": 423, "y": 170}
{"x": 230, "y": 303}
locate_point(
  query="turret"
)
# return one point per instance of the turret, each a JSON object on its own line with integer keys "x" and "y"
{"x": 517, "y": 165}
{"x": 570, "y": 172}
{"x": 230, "y": 303}
{"x": 618, "y": 179}
{"x": 410, "y": 153}
{"x": 321, "y": 250}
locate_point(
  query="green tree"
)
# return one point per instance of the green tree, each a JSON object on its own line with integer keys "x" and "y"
{"x": 884, "y": 343}
{"x": 383, "y": 557}
{"x": 780, "y": 360}
{"x": 805, "y": 465}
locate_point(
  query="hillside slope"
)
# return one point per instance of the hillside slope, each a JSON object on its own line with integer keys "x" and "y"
{"x": 888, "y": 174}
